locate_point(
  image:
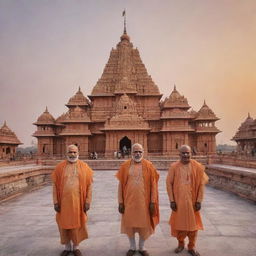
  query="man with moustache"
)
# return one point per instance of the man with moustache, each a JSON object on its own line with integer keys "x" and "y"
{"x": 138, "y": 199}
{"x": 72, "y": 193}
{"x": 185, "y": 187}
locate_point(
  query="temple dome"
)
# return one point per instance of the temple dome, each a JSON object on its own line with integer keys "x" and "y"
{"x": 247, "y": 122}
{"x": 45, "y": 118}
{"x": 175, "y": 100}
{"x": 8, "y": 136}
{"x": 78, "y": 99}
{"x": 125, "y": 37}
{"x": 5, "y": 128}
{"x": 205, "y": 113}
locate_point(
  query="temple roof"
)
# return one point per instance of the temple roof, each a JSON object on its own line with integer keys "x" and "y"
{"x": 7, "y": 136}
{"x": 175, "y": 100}
{"x": 45, "y": 119}
{"x": 76, "y": 115}
{"x": 78, "y": 99}
{"x": 125, "y": 73}
{"x": 126, "y": 117}
{"x": 205, "y": 113}
{"x": 246, "y": 129}
{"x": 247, "y": 123}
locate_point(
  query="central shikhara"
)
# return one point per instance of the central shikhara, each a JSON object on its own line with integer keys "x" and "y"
{"x": 125, "y": 107}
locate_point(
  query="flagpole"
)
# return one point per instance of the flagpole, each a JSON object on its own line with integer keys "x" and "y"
{"x": 124, "y": 15}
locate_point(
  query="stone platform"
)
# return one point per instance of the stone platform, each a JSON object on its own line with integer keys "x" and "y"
{"x": 28, "y": 228}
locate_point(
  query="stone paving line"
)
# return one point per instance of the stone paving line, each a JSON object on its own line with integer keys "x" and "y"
{"x": 28, "y": 227}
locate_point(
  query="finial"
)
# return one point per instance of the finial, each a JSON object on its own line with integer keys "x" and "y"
{"x": 249, "y": 116}
{"x": 124, "y": 15}
{"x": 174, "y": 87}
{"x": 204, "y": 103}
{"x": 46, "y": 109}
{"x": 79, "y": 89}
{"x": 5, "y": 123}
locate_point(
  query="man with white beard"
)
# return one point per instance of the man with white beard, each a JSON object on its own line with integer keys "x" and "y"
{"x": 138, "y": 199}
{"x": 72, "y": 194}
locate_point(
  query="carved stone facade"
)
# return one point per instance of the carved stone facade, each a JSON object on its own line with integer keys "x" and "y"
{"x": 8, "y": 143}
{"x": 245, "y": 137}
{"x": 125, "y": 107}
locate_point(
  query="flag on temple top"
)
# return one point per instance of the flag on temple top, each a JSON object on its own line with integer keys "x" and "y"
{"x": 123, "y": 12}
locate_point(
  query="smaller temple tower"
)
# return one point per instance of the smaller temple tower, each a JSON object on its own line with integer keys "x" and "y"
{"x": 75, "y": 124}
{"x": 8, "y": 143}
{"x": 245, "y": 137}
{"x": 205, "y": 130}
{"x": 175, "y": 122}
{"x": 45, "y": 133}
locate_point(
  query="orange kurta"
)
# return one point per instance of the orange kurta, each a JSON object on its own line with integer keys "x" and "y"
{"x": 72, "y": 189}
{"x": 137, "y": 188}
{"x": 185, "y": 184}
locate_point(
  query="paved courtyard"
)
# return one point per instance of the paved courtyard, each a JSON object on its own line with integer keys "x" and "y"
{"x": 27, "y": 224}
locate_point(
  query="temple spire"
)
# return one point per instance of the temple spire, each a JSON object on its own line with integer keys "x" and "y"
{"x": 124, "y": 15}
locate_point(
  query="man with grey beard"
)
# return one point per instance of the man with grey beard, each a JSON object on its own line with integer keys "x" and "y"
{"x": 138, "y": 199}
{"x": 72, "y": 193}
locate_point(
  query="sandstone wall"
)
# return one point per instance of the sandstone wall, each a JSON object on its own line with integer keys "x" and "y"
{"x": 239, "y": 182}
{"x": 12, "y": 183}
{"x": 227, "y": 159}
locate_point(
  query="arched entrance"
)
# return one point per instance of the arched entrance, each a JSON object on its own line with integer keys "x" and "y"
{"x": 125, "y": 146}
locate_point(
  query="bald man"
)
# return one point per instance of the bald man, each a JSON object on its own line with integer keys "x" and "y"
{"x": 138, "y": 199}
{"x": 185, "y": 187}
{"x": 72, "y": 193}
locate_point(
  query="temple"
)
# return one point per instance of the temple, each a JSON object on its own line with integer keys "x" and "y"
{"x": 125, "y": 107}
{"x": 245, "y": 137}
{"x": 8, "y": 143}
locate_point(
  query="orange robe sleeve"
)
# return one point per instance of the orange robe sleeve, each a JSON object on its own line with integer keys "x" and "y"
{"x": 54, "y": 194}
{"x": 88, "y": 199}
{"x": 169, "y": 184}
{"x": 120, "y": 193}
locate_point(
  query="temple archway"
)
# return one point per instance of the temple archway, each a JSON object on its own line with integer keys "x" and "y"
{"x": 125, "y": 144}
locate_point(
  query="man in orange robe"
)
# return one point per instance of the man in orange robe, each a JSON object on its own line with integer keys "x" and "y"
{"x": 72, "y": 193}
{"x": 185, "y": 187}
{"x": 138, "y": 199}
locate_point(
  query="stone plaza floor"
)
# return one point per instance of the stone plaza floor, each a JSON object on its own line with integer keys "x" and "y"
{"x": 28, "y": 228}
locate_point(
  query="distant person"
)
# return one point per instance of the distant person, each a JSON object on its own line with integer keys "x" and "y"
{"x": 138, "y": 199}
{"x": 185, "y": 186}
{"x": 72, "y": 193}
{"x": 119, "y": 154}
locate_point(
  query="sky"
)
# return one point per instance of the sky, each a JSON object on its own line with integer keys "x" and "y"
{"x": 49, "y": 48}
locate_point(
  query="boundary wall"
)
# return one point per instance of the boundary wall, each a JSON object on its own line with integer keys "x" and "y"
{"x": 239, "y": 181}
